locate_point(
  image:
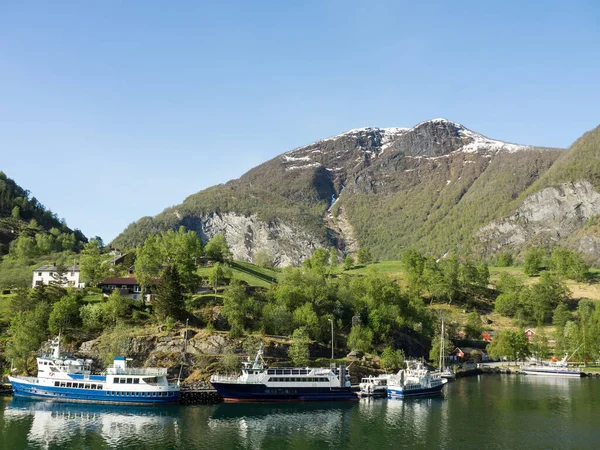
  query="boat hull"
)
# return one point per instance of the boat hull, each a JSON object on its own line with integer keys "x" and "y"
{"x": 553, "y": 373}
{"x": 38, "y": 391}
{"x": 399, "y": 392}
{"x": 238, "y": 392}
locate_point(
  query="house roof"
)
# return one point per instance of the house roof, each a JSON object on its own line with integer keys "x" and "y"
{"x": 469, "y": 350}
{"x": 130, "y": 281}
{"x": 53, "y": 268}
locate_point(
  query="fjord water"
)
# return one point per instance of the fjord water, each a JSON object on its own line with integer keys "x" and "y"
{"x": 489, "y": 411}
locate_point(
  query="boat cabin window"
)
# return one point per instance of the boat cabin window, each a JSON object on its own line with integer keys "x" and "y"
{"x": 136, "y": 381}
{"x": 129, "y": 380}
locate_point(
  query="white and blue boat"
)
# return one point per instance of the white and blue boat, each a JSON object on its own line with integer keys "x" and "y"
{"x": 415, "y": 382}
{"x": 258, "y": 383}
{"x": 63, "y": 378}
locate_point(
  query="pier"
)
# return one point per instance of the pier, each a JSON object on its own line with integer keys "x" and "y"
{"x": 200, "y": 397}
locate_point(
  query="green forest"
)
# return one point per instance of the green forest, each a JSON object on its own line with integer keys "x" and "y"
{"x": 390, "y": 310}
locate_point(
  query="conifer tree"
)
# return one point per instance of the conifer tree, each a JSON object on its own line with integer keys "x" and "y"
{"x": 168, "y": 301}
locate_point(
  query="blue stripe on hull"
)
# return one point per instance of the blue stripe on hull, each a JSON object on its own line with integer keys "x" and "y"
{"x": 36, "y": 391}
{"x": 397, "y": 393}
{"x": 262, "y": 393}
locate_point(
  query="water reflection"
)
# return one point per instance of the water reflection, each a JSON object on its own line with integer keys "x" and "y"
{"x": 255, "y": 423}
{"x": 56, "y": 424}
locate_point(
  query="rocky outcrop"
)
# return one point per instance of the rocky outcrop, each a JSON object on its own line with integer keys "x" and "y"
{"x": 550, "y": 215}
{"x": 289, "y": 244}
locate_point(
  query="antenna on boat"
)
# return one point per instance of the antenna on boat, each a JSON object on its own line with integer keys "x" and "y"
{"x": 183, "y": 352}
{"x": 257, "y": 365}
{"x": 56, "y": 352}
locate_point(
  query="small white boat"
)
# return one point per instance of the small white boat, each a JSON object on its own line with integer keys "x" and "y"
{"x": 374, "y": 386}
{"x": 447, "y": 373}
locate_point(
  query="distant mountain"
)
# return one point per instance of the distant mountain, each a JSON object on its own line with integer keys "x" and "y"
{"x": 20, "y": 214}
{"x": 437, "y": 187}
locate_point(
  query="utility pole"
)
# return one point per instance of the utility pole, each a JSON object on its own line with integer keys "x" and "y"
{"x": 331, "y": 322}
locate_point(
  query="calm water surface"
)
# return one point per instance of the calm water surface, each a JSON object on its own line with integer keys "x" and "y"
{"x": 491, "y": 411}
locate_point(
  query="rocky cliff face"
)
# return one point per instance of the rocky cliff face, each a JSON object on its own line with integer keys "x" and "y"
{"x": 550, "y": 215}
{"x": 288, "y": 243}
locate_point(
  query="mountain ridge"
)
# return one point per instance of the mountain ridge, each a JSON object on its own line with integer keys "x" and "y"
{"x": 432, "y": 187}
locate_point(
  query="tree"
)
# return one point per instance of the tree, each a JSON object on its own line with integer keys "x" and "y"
{"x": 168, "y": 301}
{"x": 65, "y": 313}
{"x": 392, "y": 360}
{"x": 115, "y": 307}
{"x": 540, "y": 347}
{"x": 236, "y": 306}
{"x": 263, "y": 259}
{"x": 27, "y": 331}
{"x": 505, "y": 259}
{"x": 298, "y": 351}
{"x": 348, "y": 262}
{"x": 534, "y": 259}
{"x": 561, "y": 315}
{"x": 217, "y": 248}
{"x": 413, "y": 265}
{"x": 569, "y": 264}
{"x": 92, "y": 270}
{"x": 473, "y": 327}
{"x": 318, "y": 262}
{"x": 149, "y": 261}
{"x": 510, "y": 344}
{"x": 277, "y": 319}
{"x": 92, "y": 317}
{"x": 220, "y": 273}
{"x": 333, "y": 258}
{"x": 16, "y": 213}
{"x": 360, "y": 338}
{"x": 364, "y": 256}
{"x": 507, "y": 304}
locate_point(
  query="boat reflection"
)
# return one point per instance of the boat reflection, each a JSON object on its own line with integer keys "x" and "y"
{"x": 57, "y": 424}
{"x": 255, "y": 422}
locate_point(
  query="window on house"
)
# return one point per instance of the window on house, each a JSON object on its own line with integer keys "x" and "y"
{"x": 72, "y": 274}
{"x": 123, "y": 286}
{"x": 137, "y": 288}
{"x": 39, "y": 274}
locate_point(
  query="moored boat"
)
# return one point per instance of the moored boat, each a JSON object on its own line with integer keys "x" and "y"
{"x": 374, "y": 386}
{"x": 258, "y": 383}
{"x": 553, "y": 368}
{"x": 415, "y": 382}
{"x": 66, "y": 379}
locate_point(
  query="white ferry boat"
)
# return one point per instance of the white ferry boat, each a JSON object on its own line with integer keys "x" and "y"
{"x": 413, "y": 382}
{"x": 374, "y": 386}
{"x": 62, "y": 378}
{"x": 258, "y": 383}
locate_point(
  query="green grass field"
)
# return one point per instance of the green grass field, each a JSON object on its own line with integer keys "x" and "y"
{"x": 246, "y": 274}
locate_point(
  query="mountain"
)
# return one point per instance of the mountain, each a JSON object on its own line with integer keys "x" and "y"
{"x": 437, "y": 187}
{"x": 21, "y": 215}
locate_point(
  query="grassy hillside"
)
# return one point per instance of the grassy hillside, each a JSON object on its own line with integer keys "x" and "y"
{"x": 580, "y": 162}
{"x": 21, "y": 214}
{"x": 437, "y": 206}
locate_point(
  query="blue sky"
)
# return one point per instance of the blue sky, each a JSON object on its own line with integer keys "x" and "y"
{"x": 110, "y": 111}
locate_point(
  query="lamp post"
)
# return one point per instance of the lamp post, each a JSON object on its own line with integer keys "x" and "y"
{"x": 331, "y": 322}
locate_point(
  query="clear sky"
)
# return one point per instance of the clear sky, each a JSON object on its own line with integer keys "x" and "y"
{"x": 113, "y": 110}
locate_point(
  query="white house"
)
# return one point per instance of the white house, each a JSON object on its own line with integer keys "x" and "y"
{"x": 43, "y": 275}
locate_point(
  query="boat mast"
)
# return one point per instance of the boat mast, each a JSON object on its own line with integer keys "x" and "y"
{"x": 442, "y": 347}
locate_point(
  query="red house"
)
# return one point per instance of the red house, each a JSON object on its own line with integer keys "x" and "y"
{"x": 530, "y": 334}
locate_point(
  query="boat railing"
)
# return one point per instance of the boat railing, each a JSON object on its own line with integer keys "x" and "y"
{"x": 153, "y": 371}
{"x": 218, "y": 378}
